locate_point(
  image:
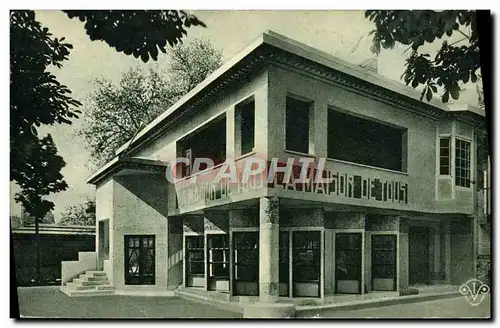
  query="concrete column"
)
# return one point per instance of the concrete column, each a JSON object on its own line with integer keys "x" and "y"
{"x": 319, "y": 128}
{"x": 232, "y": 127}
{"x": 403, "y": 255}
{"x": 269, "y": 250}
{"x": 447, "y": 252}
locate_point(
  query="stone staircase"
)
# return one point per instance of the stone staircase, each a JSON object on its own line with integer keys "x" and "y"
{"x": 90, "y": 283}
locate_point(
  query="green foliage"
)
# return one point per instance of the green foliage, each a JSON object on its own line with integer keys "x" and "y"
{"x": 137, "y": 32}
{"x": 82, "y": 214}
{"x": 37, "y": 98}
{"x": 451, "y": 65}
{"x": 115, "y": 113}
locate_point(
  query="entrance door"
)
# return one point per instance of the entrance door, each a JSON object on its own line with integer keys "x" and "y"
{"x": 139, "y": 260}
{"x": 419, "y": 255}
{"x": 384, "y": 262}
{"x": 218, "y": 262}
{"x": 195, "y": 261}
{"x": 306, "y": 263}
{"x": 348, "y": 263}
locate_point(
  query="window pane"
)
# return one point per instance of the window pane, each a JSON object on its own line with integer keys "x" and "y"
{"x": 359, "y": 140}
{"x": 297, "y": 125}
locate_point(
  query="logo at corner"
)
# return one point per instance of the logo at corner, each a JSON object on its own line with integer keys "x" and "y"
{"x": 474, "y": 291}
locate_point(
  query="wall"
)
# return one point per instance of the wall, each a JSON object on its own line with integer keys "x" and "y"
{"x": 462, "y": 252}
{"x": 54, "y": 249}
{"x": 104, "y": 211}
{"x": 139, "y": 208}
{"x": 421, "y": 138}
{"x": 164, "y": 148}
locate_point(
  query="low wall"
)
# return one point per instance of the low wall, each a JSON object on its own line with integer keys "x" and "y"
{"x": 71, "y": 269}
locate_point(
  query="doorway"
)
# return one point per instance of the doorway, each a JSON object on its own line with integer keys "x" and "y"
{"x": 384, "y": 262}
{"x": 348, "y": 263}
{"x": 306, "y": 248}
{"x": 419, "y": 238}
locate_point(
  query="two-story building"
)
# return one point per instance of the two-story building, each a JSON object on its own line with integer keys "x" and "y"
{"x": 397, "y": 210}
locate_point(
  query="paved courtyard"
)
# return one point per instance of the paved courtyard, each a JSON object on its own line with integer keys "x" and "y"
{"x": 49, "y": 302}
{"x": 456, "y": 307}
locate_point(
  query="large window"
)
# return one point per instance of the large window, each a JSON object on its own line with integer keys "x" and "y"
{"x": 348, "y": 256}
{"x": 139, "y": 260}
{"x": 444, "y": 156}
{"x": 462, "y": 163}
{"x": 363, "y": 141}
{"x": 218, "y": 255}
{"x": 207, "y": 142}
{"x": 245, "y": 125}
{"x": 195, "y": 255}
{"x": 297, "y": 125}
{"x": 246, "y": 256}
{"x": 384, "y": 258}
{"x": 306, "y": 256}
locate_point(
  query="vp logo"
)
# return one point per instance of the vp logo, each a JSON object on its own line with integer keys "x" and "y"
{"x": 474, "y": 291}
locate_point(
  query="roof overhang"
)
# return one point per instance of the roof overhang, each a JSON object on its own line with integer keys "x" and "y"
{"x": 256, "y": 52}
{"x": 119, "y": 165}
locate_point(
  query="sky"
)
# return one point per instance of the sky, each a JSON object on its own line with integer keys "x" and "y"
{"x": 341, "y": 33}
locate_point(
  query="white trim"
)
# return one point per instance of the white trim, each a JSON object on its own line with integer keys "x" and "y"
{"x": 366, "y": 166}
{"x": 294, "y": 152}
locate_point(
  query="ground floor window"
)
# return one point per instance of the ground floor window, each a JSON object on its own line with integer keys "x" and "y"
{"x": 384, "y": 262}
{"x": 139, "y": 260}
{"x": 348, "y": 262}
{"x": 195, "y": 255}
{"x": 306, "y": 256}
{"x": 218, "y": 255}
{"x": 246, "y": 256}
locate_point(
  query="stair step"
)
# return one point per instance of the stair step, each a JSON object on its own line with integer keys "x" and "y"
{"x": 95, "y": 273}
{"x": 73, "y": 286}
{"x": 83, "y": 282}
{"x": 105, "y": 287}
{"x": 93, "y": 292}
{"x": 92, "y": 278}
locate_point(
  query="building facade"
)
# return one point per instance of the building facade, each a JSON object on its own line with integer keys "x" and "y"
{"x": 397, "y": 209}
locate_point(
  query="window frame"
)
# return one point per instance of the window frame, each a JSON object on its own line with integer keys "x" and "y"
{"x": 449, "y": 156}
{"x": 236, "y": 250}
{"x": 190, "y": 250}
{"x": 225, "y": 255}
{"x": 458, "y": 178}
{"x": 297, "y": 264}
{"x": 403, "y": 169}
{"x": 243, "y": 106}
{"x": 310, "y": 121}
{"x": 141, "y": 278}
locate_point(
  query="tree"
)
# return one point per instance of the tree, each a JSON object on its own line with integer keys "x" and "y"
{"x": 115, "y": 114}
{"x": 81, "y": 214}
{"x": 37, "y": 98}
{"x": 454, "y": 63}
{"x": 451, "y": 65}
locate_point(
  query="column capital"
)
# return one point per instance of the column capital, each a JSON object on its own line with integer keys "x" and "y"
{"x": 269, "y": 209}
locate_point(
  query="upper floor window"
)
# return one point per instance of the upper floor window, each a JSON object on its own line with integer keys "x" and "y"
{"x": 462, "y": 163}
{"x": 363, "y": 141}
{"x": 297, "y": 125}
{"x": 209, "y": 141}
{"x": 245, "y": 127}
{"x": 444, "y": 156}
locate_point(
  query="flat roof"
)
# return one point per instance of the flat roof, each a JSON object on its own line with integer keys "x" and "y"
{"x": 294, "y": 47}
